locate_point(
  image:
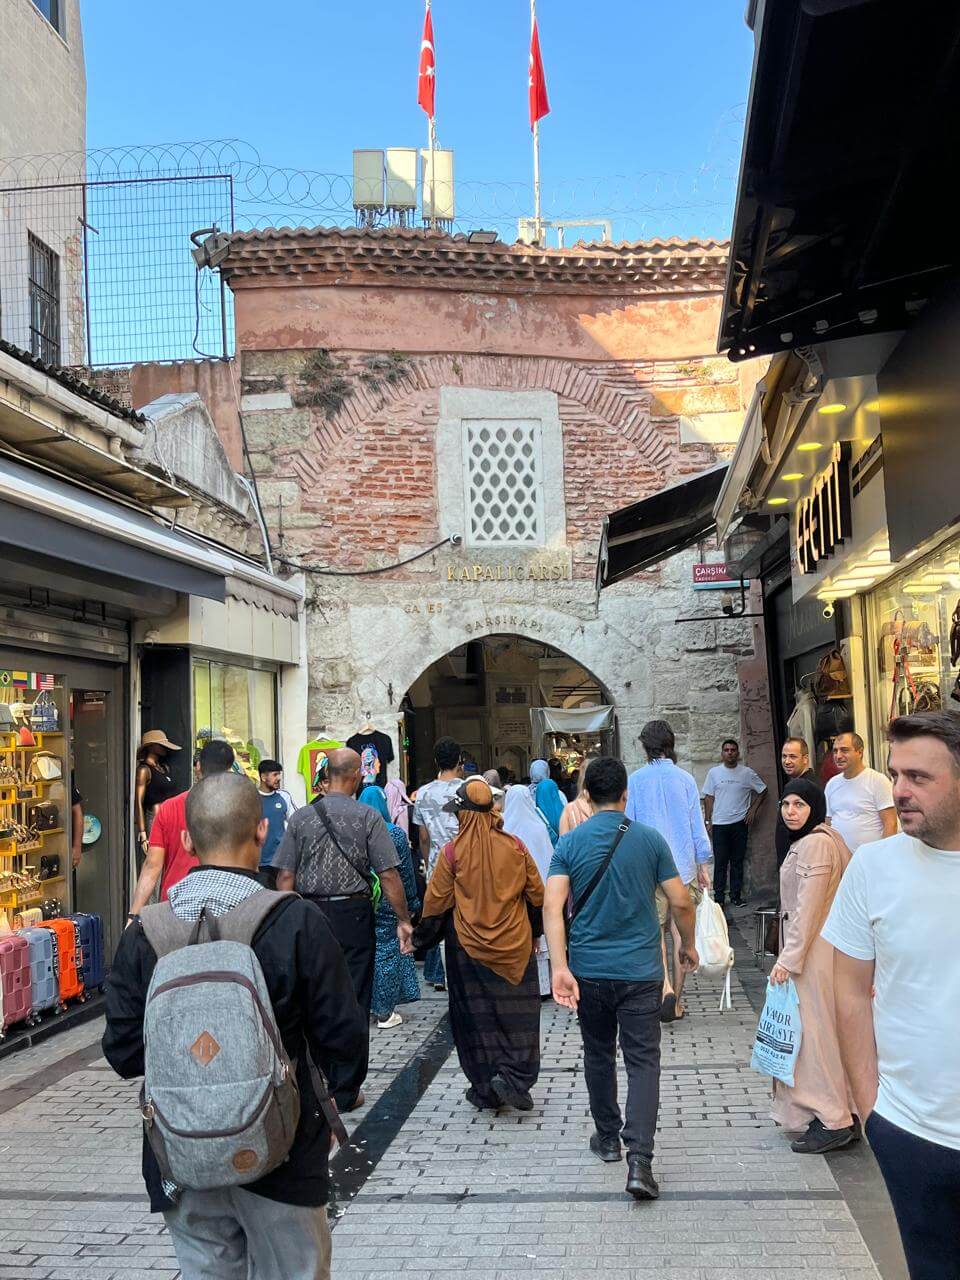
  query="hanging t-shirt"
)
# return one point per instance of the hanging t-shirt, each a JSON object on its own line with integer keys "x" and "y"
{"x": 376, "y": 752}
{"x": 854, "y": 804}
{"x": 307, "y": 762}
{"x": 897, "y": 906}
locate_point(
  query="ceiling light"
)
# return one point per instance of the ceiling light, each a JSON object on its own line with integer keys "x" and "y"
{"x": 936, "y": 578}
{"x": 777, "y": 502}
{"x": 809, "y": 446}
{"x": 792, "y": 475}
{"x": 835, "y": 407}
{"x": 842, "y": 595}
{"x": 918, "y": 589}
{"x": 867, "y": 575}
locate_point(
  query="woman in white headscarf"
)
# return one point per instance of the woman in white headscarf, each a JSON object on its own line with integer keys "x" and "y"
{"x": 521, "y": 819}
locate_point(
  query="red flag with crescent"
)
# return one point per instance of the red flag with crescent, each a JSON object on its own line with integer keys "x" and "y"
{"x": 426, "y": 80}
{"x": 539, "y": 104}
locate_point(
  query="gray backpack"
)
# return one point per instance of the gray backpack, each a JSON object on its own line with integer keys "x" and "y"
{"x": 220, "y": 1102}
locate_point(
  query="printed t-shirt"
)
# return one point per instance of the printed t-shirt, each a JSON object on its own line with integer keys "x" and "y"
{"x": 376, "y": 752}
{"x": 897, "y": 905}
{"x": 617, "y": 934}
{"x": 165, "y": 834}
{"x": 854, "y": 804}
{"x": 732, "y": 791}
{"x": 321, "y": 869}
{"x": 307, "y": 761}
{"x": 428, "y": 811}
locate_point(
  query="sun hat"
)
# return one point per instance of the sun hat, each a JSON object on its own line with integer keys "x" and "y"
{"x": 157, "y": 738}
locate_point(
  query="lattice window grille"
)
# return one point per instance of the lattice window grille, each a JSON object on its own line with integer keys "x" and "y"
{"x": 503, "y": 463}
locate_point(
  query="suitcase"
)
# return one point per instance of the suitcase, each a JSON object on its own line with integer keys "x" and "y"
{"x": 44, "y": 983}
{"x": 90, "y": 928}
{"x": 69, "y": 962}
{"x": 14, "y": 981}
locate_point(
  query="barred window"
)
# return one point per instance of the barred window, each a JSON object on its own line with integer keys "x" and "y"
{"x": 44, "y": 284}
{"x": 503, "y": 480}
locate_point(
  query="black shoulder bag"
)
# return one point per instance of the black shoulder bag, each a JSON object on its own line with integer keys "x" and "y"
{"x": 601, "y": 871}
{"x": 368, "y": 875}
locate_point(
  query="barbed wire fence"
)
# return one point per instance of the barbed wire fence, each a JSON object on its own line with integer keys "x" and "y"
{"x": 119, "y": 222}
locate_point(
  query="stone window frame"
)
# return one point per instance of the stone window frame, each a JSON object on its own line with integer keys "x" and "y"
{"x": 463, "y": 404}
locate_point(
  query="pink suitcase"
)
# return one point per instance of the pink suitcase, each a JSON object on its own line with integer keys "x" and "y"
{"x": 17, "y": 1002}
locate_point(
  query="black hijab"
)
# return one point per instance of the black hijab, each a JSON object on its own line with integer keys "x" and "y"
{"x": 810, "y": 794}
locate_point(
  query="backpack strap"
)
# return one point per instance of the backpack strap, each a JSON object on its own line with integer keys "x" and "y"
{"x": 240, "y": 924}
{"x": 166, "y": 932}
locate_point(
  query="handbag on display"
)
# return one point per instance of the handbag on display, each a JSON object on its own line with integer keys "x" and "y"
{"x": 45, "y": 767}
{"x": 25, "y": 737}
{"x": 44, "y": 716}
{"x": 917, "y": 635}
{"x": 21, "y": 712}
{"x": 49, "y": 866}
{"x": 44, "y": 816}
{"x": 832, "y": 680}
{"x": 7, "y": 720}
{"x": 928, "y": 697}
{"x": 51, "y": 908}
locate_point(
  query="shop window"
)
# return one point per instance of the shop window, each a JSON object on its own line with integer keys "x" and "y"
{"x": 52, "y": 10}
{"x": 503, "y": 465}
{"x": 44, "y": 287}
{"x": 238, "y": 704}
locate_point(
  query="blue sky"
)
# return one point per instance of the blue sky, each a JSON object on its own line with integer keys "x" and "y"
{"x": 647, "y": 98}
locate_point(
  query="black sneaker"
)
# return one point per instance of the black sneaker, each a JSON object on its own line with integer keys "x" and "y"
{"x": 818, "y": 1139}
{"x": 475, "y": 1100}
{"x": 608, "y": 1149}
{"x": 641, "y": 1183}
{"x": 507, "y": 1096}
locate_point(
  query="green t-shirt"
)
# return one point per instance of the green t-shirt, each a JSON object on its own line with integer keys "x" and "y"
{"x": 617, "y": 934}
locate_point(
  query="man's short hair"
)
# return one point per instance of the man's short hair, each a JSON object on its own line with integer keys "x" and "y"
{"x": 855, "y": 737}
{"x": 605, "y": 780}
{"x": 658, "y": 741}
{"x": 342, "y": 770}
{"x": 801, "y": 743}
{"x": 269, "y": 766}
{"x": 223, "y": 812}
{"x": 729, "y": 742}
{"x": 942, "y": 725}
{"x": 447, "y": 753}
{"x": 216, "y": 756}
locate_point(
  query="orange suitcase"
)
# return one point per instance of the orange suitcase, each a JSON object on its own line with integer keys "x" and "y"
{"x": 67, "y": 962}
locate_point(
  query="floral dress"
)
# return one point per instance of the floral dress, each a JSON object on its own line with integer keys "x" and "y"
{"x": 395, "y": 975}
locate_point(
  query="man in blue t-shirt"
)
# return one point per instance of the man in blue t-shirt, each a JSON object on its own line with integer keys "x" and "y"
{"x": 615, "y": 973}
{"x": 277, "y": 807}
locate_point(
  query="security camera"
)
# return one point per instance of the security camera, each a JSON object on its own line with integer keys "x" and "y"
{"x": 828, "y": 609}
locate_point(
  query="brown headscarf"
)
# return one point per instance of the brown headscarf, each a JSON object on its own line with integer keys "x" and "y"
{"x": 488, "y": 878}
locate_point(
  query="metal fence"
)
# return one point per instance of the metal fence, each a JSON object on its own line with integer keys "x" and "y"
{"x": 119, "y": 223}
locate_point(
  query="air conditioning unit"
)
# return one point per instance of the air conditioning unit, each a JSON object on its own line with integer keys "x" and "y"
{"x": 437, "y": 199}
{"x": 401, "y": 178}
{"x": 368, "y": 188}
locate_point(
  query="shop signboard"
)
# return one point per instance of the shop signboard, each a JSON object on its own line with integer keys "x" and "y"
{"x": 824, "y": 518}
{"x": 713, "y": 577}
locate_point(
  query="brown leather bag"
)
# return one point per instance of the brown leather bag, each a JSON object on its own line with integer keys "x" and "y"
{"x": 832, "y": 680}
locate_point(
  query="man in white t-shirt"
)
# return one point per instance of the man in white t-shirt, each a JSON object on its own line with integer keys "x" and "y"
{"x": 859, "y": 800}
{"x": 894, "y": 924}
{"x": 732, "y": 794}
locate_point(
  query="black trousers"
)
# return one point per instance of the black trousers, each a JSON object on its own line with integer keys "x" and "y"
{"x": 351, "y": 922}
{"x": 729, "y": 851}
{"x": 633, "y": 1009}
{"x": 923, "y": 1180}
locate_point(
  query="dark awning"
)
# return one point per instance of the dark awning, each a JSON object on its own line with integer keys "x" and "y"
{"x": 853, "y": 117}
{"x": 656, "y": 528}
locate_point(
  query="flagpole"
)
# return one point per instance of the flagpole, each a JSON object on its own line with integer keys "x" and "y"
{"x": 431, "y": 147}
{"x": 536, "y": 146}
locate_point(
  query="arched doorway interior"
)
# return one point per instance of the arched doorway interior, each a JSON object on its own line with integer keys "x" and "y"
{"x": 481, "y": 694}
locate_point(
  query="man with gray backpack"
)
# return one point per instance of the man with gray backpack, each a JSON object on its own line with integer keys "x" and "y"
{"x": 232, "y": 1001}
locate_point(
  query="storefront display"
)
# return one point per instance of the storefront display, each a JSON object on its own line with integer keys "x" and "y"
{"x": 238, "y": 704}
{"x": 914, "y": 638}
{"x": 34, "y": 797}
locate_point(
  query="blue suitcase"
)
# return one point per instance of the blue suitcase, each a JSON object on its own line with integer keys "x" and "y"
{"x": 44, "y": 982}
{"x": 90, "y": 933}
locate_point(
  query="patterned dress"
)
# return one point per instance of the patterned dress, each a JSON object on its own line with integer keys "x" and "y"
{"x": 395, "y": 976}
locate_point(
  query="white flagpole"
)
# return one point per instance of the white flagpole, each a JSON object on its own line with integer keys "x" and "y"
{"x": 538, "y": 225}
{"x": 432, "y": 140}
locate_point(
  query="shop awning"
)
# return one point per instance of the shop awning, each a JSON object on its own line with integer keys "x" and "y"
{"x": 49, "y": 517}
{"x": 570, "y": 720}
{"x": 656, "y": 528}
{"x": 854, "y": 110}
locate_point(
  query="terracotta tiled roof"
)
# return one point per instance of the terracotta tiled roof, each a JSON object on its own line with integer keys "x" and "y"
{"x": 407, "y": 256}
{"x": 73, "y": 382}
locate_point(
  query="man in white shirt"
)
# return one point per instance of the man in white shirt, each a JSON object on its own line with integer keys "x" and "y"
{"x": 859, "y": 800}
{"x": 732, "y": 794}
{"x": 893, "y": 924}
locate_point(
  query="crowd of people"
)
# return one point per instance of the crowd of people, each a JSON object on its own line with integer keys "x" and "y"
{"x": 515, "y": 891}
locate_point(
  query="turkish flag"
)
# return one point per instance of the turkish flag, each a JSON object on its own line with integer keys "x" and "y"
{"x": 426, "y": 81}
{"x": 539, "y": 105}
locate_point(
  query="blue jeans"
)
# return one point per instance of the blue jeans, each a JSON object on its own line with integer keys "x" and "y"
{"x": 923, "y": 1180}
{"x": 632, "y": 1008}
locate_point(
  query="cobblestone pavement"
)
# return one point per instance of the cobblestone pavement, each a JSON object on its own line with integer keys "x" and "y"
{"x": 433, "y": 1187}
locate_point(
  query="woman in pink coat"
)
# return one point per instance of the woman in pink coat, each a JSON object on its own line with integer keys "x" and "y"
{"x": 819, "y": 1100}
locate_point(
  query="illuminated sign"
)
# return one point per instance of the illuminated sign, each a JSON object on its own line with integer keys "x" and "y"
{"x": 824, "y": 518}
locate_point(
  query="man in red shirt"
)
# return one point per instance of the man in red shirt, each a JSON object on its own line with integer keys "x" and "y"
{"x": 167, "y": 860}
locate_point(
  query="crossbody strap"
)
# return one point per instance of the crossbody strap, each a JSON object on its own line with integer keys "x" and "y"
{"x": 600, "y": 872}
{"x": 324, "y": 817}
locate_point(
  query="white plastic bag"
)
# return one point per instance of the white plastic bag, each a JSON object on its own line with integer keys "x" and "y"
{"x": 779, "y": 1033}
{"x": 713, "y": 945}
